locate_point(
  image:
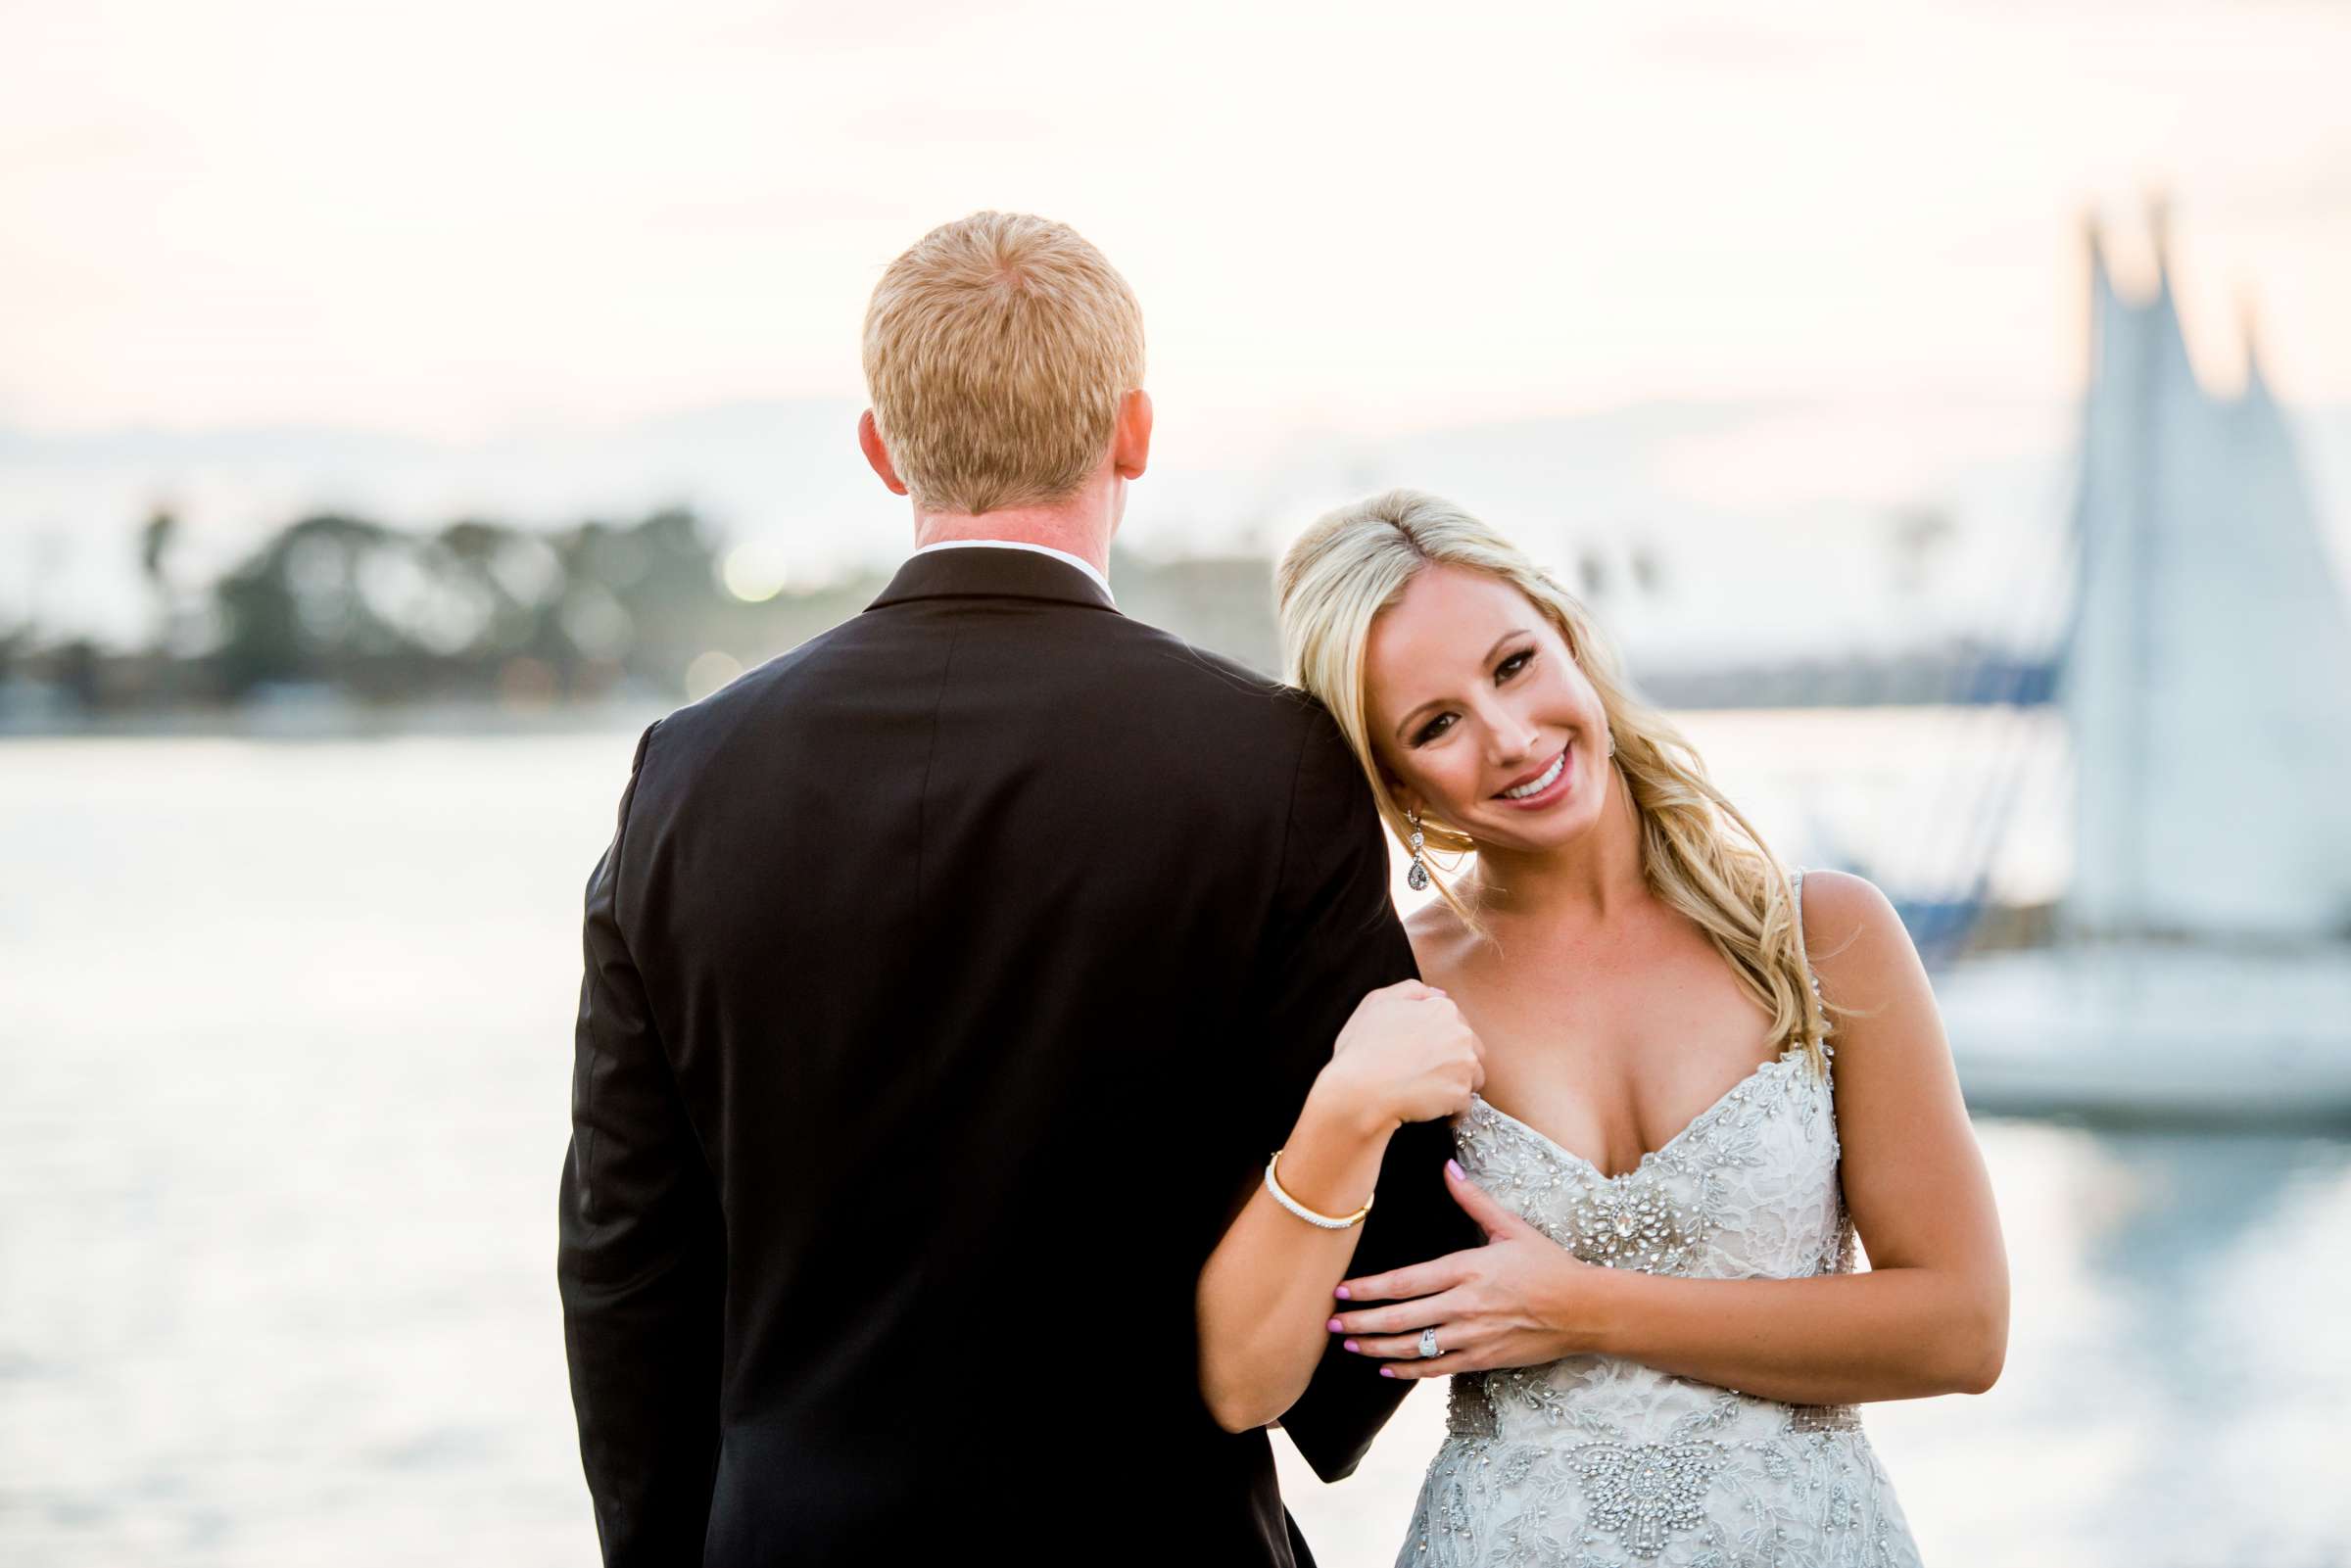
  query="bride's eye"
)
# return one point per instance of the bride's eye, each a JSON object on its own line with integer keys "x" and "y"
{"x": 1429, "y": 731}
{"x": 1514, "y": 664}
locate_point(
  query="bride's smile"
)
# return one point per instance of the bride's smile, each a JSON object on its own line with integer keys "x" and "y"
{"x": 1545, "y": 787}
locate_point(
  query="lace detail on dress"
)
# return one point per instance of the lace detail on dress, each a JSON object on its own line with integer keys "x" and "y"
{"x": 1597, "y": 1462}
{"x": 1796, "y": 888}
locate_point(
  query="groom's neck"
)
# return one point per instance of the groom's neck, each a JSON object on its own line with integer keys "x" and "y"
{"x": 1081, "y": 526}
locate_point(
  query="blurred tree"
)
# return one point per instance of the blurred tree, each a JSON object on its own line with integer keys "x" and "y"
{"x": 156, "y": 539}
{"x": 1592, "y": 571}
{"x": 157, "y": 536}
{"x": 292, "y": 611}
{"x": 1649, "y": 572}
{"x": 383, "y": 613}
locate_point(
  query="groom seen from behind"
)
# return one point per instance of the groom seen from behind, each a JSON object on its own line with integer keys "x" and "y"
{"x": 948, "y": 980}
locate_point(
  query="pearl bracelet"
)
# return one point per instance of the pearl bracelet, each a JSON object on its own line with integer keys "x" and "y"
{"x": 1274, "y": 1186}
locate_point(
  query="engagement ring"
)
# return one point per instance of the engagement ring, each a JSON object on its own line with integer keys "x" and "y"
{"x": 1428, "y": 1342}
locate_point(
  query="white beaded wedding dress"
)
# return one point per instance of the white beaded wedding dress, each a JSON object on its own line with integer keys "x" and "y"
{"x": 1593, "y": 1461}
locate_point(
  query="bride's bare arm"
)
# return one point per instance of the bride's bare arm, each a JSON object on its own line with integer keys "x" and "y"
{"x": 1264, "y": 1292}
{"x": 1265, "y": 1295}
{"x": 1930, "y": 1316}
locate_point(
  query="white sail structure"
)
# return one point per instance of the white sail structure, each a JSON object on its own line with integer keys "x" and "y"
{"x": 2207, "y": 683}
{"x": 2202, "y": 970}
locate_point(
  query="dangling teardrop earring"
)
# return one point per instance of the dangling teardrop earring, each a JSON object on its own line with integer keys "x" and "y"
{"x": 1417, "y": 877}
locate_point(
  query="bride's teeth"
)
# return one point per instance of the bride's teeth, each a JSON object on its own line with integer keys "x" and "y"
{"x": 1548, "y": 775}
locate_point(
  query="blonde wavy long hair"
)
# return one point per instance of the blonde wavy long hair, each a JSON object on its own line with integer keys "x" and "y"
{"x": 1698, "y": 852}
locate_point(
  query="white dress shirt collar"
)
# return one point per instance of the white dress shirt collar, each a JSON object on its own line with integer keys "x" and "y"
{"x": 1083, "y": 564}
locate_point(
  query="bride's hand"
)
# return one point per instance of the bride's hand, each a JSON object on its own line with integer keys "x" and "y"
{"x": 1521, "y": 1300}
{"x": 1406, "y": 1055}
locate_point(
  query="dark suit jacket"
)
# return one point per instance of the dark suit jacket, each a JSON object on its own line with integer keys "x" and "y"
{"x": 948, "y": 980}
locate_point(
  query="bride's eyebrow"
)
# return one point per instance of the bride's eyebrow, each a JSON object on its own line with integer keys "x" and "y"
{"x": 1403, "y": 725}
{"x": 1406, "y": 723}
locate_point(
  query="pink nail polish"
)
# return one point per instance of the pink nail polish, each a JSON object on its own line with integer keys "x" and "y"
{"x": 1455, "y": 1166}
{"x": 1351, "y": 1345}
{"x": 1341, "y": 1294}
{"x": 1335, "y": 1325}
{"x": 1387, "y": 1372}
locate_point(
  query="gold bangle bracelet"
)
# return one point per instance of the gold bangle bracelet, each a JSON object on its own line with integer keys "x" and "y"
{"x": 1326, "y": 1221}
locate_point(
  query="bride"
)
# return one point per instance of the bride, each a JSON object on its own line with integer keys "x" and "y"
{"x": 1680, "y": 1082}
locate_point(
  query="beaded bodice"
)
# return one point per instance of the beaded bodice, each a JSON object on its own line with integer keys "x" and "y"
{"x": 1747, "y": 1189}
{"x": 1593, "y": 1460}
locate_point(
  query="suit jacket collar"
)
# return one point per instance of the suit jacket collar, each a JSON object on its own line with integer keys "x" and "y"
{"x": 984, "y": 573}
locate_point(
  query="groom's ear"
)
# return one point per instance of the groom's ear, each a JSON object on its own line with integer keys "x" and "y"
{"x": 869, "y": 442}
{"x": 1130, "y": 440}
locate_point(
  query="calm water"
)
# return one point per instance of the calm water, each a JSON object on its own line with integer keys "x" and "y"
{"x": 285, "y": 1039}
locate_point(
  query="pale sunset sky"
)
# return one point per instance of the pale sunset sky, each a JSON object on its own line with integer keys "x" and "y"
{"x": 453, "y": 218}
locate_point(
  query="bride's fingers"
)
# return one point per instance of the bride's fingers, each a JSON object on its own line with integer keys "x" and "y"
{"x": 1403, "y": 1349}
{"x": 1444, "y": 1365}
{"x": 1403, "y": 1318}
{"x": 1415, "y": 1279}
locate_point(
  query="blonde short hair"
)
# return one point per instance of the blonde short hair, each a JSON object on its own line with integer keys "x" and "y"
{"x": 997, "y": 351}
{"x": 1698, "y": 852}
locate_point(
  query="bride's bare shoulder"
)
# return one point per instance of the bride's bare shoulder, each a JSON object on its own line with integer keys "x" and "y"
{"x": 1854, "y": 937}
{"x": 1438, "y": 935}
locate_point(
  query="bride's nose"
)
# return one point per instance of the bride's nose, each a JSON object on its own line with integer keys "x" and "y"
{"x": 1513, "y": 738}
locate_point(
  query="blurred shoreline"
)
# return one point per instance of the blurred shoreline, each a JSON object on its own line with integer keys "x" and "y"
{"x": 343, "y": 625}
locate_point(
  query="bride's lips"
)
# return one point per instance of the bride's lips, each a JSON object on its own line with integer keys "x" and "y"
{"x": 1549, "y": 793}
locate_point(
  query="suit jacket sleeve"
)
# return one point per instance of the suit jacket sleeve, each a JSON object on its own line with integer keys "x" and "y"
{"x": 640, "y": 1250}
{"x": 1336, "y": 937}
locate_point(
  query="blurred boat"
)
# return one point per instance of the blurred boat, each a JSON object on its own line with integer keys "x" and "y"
{"x": 2200, "y": 965}
{"x": 2155, "y": 1033}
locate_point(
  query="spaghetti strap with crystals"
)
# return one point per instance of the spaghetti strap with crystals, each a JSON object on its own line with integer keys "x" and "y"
{"x": 1796, "y": 888}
